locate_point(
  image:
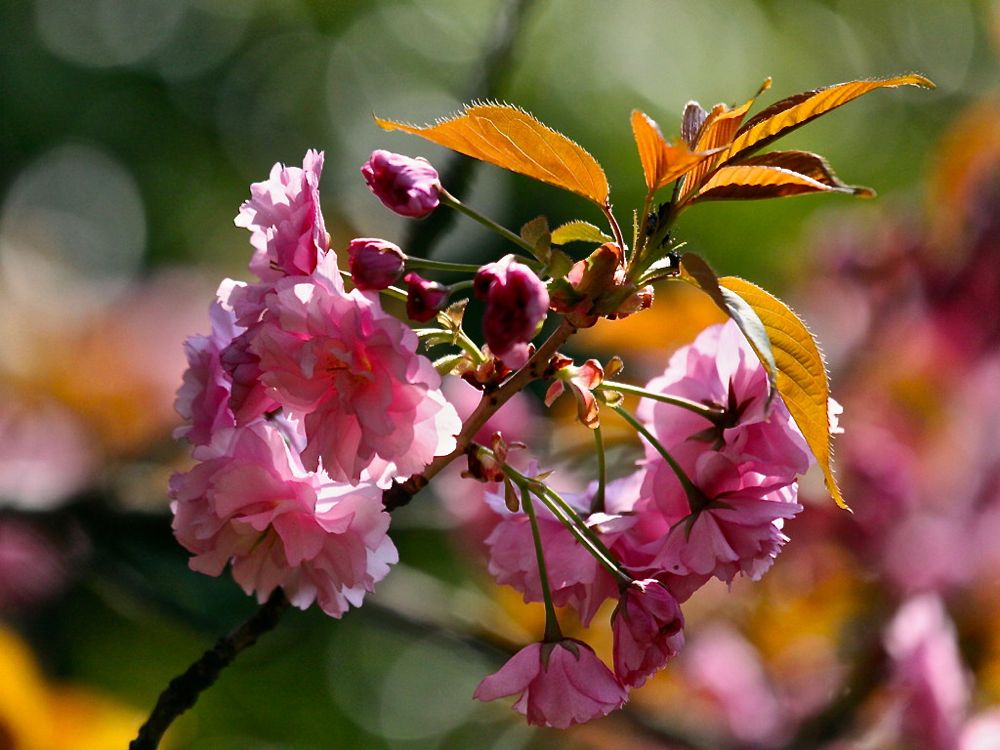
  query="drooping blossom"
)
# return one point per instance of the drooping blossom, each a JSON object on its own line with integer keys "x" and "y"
{"x": 557, "y": 684}
{"x": 409, "y": 186}
{"x": 351, "y": 373}
{"x": 250, "y": 503}
{"x": 516, "y": 303}
{"x": 203, "y": 398}
{"x": 648, "y": 630}
{"x": 927, "y": 673}
{"x": 374, "y": 263}
{"x": 736, "y": 529}
{"x": 285, "y": 220}
{"x": 720, "y": 369}
{"x": 424, "y": 298}
{"x": 581, "y": 382}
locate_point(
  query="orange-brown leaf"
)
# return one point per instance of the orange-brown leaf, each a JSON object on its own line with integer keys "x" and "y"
{"x": 752, "y": 181}
{"x": 662, "y": 162}
{"x": 717, "y": 132}
{"x": 808, "y": 164}
{"x": 795, "y": 111}
{"x": 801, "y": 378}
{"x": 509, "y": 137}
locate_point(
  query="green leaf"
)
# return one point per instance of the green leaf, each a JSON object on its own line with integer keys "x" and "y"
{"x": 536, "y": 234}
{"x": 559, "y": 265}
{"x": 802, "y": 380}
{"x": 579, "y": 231}
{"x": 695, "y": 270}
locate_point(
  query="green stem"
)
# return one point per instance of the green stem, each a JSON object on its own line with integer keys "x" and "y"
{"x": 568, "y": 517}
{"x": 714, "y": 414}
{"x": 552, "y": 632}
{"x": 439, "y": 265}
{"x": 597, "y": 504}
{"x": 450, "y": 200}
{"x": 460, "y": 285}
{"x": 695, "y": 496}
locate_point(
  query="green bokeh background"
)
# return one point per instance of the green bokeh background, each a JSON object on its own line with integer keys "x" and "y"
{"x": 192, "y": 100}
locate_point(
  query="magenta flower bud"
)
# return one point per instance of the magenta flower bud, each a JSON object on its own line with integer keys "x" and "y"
{"x": 374, "y": 263}
{"x": 516, "y": 302}
{"x": 409, "y": 186}
{"x": 424, "y": 298}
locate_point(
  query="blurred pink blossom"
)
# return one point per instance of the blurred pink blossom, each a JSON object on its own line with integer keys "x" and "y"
{"x": 927, "y": 673}
{"x": 250, "y": 502}
{"x": 557, "y": 684}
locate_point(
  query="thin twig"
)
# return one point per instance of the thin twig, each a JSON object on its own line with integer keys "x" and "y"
{"x": 183, "y": 691}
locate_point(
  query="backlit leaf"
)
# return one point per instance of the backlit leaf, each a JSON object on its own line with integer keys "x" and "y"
{"x": 509, "y": 137}
{"x": 795, "y": 111}
{"x": 536, "y": 234}
{"x": 717, "y": 131}
{"x": 662, "y": 162}
{"x": 749, "y": 181}
{"x": 692, "y": 119}
{"x": 579, "y": 231}
{"x": 695, "y": 270}
{"x": 808, "y": 164}
{"x": 801, "y": 379}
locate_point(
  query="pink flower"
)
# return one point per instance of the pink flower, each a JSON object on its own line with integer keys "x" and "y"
{"x": 647, "y": 627}
{"x": 736, "y": 529}
{"x": 203, "y": 398}
{"x": 374, "y": 263}
{"x": 285, "y": 220}
{"x": 424, "y": 299}
{"x": 927, "y": 672}
{"x": 581, "y": 382}
{"x": 350, "y": 372}
{"x": 251, "y": 503}
{"x": 557, "y": 684}
{"x": 408, "y": 186}
{"x": 720, "y": 369}
{"x": 516, "y": 303}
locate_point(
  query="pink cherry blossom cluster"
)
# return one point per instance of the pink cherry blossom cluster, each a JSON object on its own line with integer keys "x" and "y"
{"x": 304, "y": 403}
{"x": 711, "y": 505}
{"x": 308, "y": 402}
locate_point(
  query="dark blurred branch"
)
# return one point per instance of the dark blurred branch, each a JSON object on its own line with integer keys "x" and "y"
{"x": 456, "y": 174}
{"x": 183, "y": 691}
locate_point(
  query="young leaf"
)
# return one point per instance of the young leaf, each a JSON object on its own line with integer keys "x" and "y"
{"x": 805, "y": 163}
{"x": 802, "y": 380}
{"x": 536, "y": 233}
{"x": 579, "y": 231}
{"x": 717, "y": 131}
{"x": 509, "y": 137}
{"x": 695, "y": 270}
{"x": 749, "y": 181}
{"x": 784, "y": 116}
{"x": 662, "y": 162}
{"x": 692, "y": 118}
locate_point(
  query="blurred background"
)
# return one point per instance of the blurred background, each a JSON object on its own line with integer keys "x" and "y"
{"x": 129, "y": 133}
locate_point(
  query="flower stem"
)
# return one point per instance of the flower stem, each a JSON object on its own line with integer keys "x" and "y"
{"x": 616, "y": 230}
{"x": 552, "y": 631}
{"x": 450, "y": 200}
{"x": 714, "y": 414}
{"x": 597, "y": 504}
{"x": 695, "y": 496}
{"x": 439, "y": 265}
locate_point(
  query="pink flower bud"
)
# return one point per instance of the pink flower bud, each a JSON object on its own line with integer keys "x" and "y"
{"x": 647, "y": 628}
{"x": 374, "y": 263}
{"x": 409, "y": 186}
{"x": 516, "y": 302}
{"x": 424, "y": 298}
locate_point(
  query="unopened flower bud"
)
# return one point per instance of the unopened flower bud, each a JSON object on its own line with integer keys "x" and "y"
{"x": 516, "y": 303}
{"x": 424, "y": 299}
{"x": 374, "y": 263}
{"x": 409, "y": 186}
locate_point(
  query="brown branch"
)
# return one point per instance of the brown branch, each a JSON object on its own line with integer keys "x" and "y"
{"x": 183, "y": 691}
